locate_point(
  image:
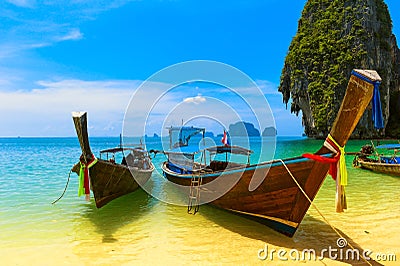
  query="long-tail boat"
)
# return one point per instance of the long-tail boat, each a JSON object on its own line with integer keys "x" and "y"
{"x": 107, "y": 178}
{"x": 369, "y": 158}
{"x": 277, "y": 193}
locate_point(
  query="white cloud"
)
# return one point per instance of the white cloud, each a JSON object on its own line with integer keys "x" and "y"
{"x": 23, "y": 3}
{"x": 8, "y": 50}
{"x": 267, "y": 87}
{"x": 47, "y": 111}
{"x": 48, "y": 37}
{"x": 217, "y": 106}
{"x": 73, "y": 34}
{"x": 196, "y": 100}
{"x": 52, "y": 21}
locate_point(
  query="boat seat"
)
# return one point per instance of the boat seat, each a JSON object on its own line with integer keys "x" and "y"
{"x": 218, "y": 165}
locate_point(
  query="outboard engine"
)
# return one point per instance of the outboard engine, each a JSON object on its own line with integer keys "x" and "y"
{"x": 367, "y": 149}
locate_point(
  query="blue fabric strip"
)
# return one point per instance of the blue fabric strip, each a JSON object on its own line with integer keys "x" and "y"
{"x": 377, "y": 115}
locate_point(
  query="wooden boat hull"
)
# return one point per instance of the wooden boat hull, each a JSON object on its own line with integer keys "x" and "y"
{"x": 278, "y": 201}
{"x": 108, "y": 180}
{"x": 385, "y": 168}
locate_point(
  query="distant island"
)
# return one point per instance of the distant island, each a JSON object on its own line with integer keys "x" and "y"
{"x": 238, "y": 129}
{"x": 243, "y": 129}
{"x": 269, "y": 132}
{"x": 154, "y": 136}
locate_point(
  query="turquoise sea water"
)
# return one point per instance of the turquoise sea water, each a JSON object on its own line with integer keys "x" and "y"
{"x": 139, "y": 229}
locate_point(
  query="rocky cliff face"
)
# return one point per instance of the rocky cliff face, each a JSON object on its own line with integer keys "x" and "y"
{"x": 334, "y": 37}
{"x": 242, "y": 129}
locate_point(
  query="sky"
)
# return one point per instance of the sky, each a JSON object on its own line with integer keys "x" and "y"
{"x": 60, "y": 56}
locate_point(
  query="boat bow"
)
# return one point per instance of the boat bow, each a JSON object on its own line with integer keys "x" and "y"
{"x": 279, "y": 201}
{"x": 80, "y": 122}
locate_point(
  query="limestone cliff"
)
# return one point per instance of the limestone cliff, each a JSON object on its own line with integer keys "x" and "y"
{"x": 334, "y": 37}
{"x": 241, "y": 129}
{"x": 269, "y": 132}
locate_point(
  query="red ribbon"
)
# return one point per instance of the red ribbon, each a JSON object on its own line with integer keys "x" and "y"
{"x": 333, "y": 161}
{"x": 86, "y": 172}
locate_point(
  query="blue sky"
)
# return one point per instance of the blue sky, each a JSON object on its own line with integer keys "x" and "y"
{"x": 63, "y": 56}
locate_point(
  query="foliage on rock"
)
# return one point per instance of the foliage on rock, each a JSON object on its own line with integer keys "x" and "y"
{"x": 334, "y": 37}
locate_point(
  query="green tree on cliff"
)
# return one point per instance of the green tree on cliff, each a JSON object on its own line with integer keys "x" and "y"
{"x": 333, "y": 37}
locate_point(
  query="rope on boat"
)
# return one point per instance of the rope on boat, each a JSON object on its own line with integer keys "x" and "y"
{"x": 65, "y": 189}
{"x": 316, "y": 208}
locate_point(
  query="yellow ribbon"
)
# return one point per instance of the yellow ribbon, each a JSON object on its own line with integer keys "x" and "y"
{"x": 81, "y": 189}
{"x": 342, "y": 162}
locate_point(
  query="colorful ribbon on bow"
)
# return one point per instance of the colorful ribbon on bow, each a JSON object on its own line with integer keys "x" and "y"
{"x": 337, "y": 170}
{"x": 84, "y": 188}
{"x": 342, "y": 159}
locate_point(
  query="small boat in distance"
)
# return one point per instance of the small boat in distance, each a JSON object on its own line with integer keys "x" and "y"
{"x": 109, "y": 179}
{"x": 282, "y": 190}
{"x": 369, "y": 158}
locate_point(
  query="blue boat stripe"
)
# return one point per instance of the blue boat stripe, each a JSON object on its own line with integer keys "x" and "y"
{"x": 256, "y": 166}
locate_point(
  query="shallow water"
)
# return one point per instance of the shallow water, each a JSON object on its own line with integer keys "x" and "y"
{"x": 139, "y": 229}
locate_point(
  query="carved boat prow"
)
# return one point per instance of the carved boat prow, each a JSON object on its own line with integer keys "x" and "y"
{"x": 80, "y": 122}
